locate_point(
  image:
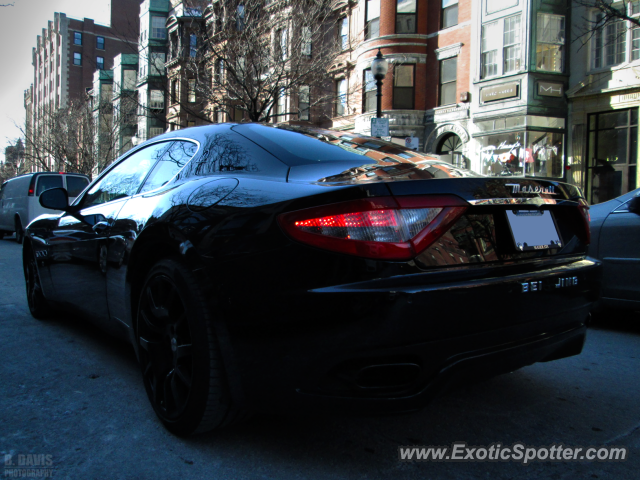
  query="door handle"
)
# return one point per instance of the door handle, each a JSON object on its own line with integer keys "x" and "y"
{"x": 101, "y": 227}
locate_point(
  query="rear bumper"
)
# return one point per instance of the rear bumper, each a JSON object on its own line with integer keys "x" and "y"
{"x": 391, "y": 345}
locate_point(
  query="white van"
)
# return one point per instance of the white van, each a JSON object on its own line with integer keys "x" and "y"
{"x": 19, "y": 198}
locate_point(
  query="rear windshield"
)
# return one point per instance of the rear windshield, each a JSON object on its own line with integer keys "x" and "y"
{"x": 302, "y": 146}
{"x": 45, "y": 182}
{"x": 75, "y": 185}
{"x": 295, "y": 148}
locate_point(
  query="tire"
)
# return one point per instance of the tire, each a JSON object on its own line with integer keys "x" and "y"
{"x": 179, "y": 357}
{"x": 19, "y": 231}
{"x": 38, "y": 305}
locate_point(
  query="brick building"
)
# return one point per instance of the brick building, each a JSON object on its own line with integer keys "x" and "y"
{"x": 67, "y": 54}
{"x": 427, "y": 45}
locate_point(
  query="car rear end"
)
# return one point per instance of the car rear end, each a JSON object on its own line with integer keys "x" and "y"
{"x": 363, "y": 320}
{"x": 397, "y": 283}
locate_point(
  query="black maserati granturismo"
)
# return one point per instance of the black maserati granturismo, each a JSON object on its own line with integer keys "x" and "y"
{"x": 280, "y": 268}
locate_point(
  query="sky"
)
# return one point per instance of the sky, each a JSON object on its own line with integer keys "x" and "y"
{"x": 20, "y": 25}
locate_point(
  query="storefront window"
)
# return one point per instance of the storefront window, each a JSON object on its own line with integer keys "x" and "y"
{"x": 523, "y": 153}
{"x": 612, "y": 154}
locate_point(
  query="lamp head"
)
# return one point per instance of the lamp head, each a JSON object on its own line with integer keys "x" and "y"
{"x": 379, "y": 66}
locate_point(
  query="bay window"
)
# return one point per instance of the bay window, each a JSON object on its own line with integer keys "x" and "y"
{"x": 403, "y": 87}
{"x": 550, "y": 42}
{"x": 372, "y": 19}
{"x": 406, "y": 16}
{"x": 370, "y": 91}
{"x": 500, "y": 51}
{"x": 511, "y": 44}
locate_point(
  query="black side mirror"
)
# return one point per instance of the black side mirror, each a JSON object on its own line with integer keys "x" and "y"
{"x": 55, "y": 199}
{"x": 634, "y": 205}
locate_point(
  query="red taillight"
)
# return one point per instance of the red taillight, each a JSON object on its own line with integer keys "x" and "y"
{"x": 32, "y": 186}
{"x": 385, "y": 227}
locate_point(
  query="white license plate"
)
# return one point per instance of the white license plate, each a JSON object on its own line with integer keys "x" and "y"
{"x": 533, "y": 229}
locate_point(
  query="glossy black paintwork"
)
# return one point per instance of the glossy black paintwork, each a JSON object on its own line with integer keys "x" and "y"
{"x": 288, "y": 315}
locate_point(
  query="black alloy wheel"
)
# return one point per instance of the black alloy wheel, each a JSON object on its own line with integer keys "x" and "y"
{"x": 181, "y": 368}
{"x": 38, "y": 305}
{"x": 19, "y": 231}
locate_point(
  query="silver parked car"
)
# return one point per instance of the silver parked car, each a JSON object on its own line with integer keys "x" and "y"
{"x": 615, "y": 239}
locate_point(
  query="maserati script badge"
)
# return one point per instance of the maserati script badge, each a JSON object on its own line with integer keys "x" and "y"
{"x": 517, "y": 188}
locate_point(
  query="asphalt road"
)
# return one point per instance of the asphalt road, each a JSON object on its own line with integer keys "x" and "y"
{"x": 70, "y": 392}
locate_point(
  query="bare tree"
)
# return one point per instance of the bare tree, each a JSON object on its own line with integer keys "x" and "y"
{"x": 600, "y": 16}
{"x": 82, "y": 138}
{"x": 257, "y": 57}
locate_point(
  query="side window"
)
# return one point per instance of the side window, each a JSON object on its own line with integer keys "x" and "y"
{"x": 231, "y": 153}
{"x": 75, "y": 185}
{"x": 45, "y": 182}
{"x": 126, "y": 177}
{"x": 171, "y": 163}
{"x": 2, "y": 191}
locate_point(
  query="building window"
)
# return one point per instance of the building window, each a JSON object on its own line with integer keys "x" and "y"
{"x": 449, "y": 13}
{"x": 240, "y": 18}
{"x": 129, "y": 80}
{"x": 341, "y": 98}
{"x": 550, "y": 42}
{"x": 306, "y": 41}
{"x": 344, "y": 33}
{"x": 406, "y": 16}
{"x": 372, "y": 18}
{"x": 448, "y": 77}
{"x": 157, "y": 60}
{"x": 370, "y": 91}
{"x": 511, "y": 44}
{"x": 219, "y": 74}
{"x": 174, "y": 91}
{"x": 281, "y": 105}
{"x": 155, "y": 131}
{"x": 77, "y": 58}
{"x": 304, "y": 102}
{"x": 635, "y": 44}
{"x": 403, "y": 81}
{"x": 613, "y": 150}
{"x": 500, "y": 46}
{"x": 489, "y": 49}
{"x": 156, "y": 99}
{"x": 100, "y": 43}
{"x": 192, "y": 90}
{"x": 77, "y": 38}
{"x": 522, "y": 153}
{"x": 158, "y": 28}
{"x": 193, "y": 45}
{"x": 282, "y": 41}
{"x": 100, "y": 63}
{"x": 610, "y": 44}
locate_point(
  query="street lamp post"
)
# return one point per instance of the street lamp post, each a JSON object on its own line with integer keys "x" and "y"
{"x": 379, "y": 68}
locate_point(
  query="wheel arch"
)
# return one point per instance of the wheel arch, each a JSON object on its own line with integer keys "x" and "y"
{"x": 155, "y": 243}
